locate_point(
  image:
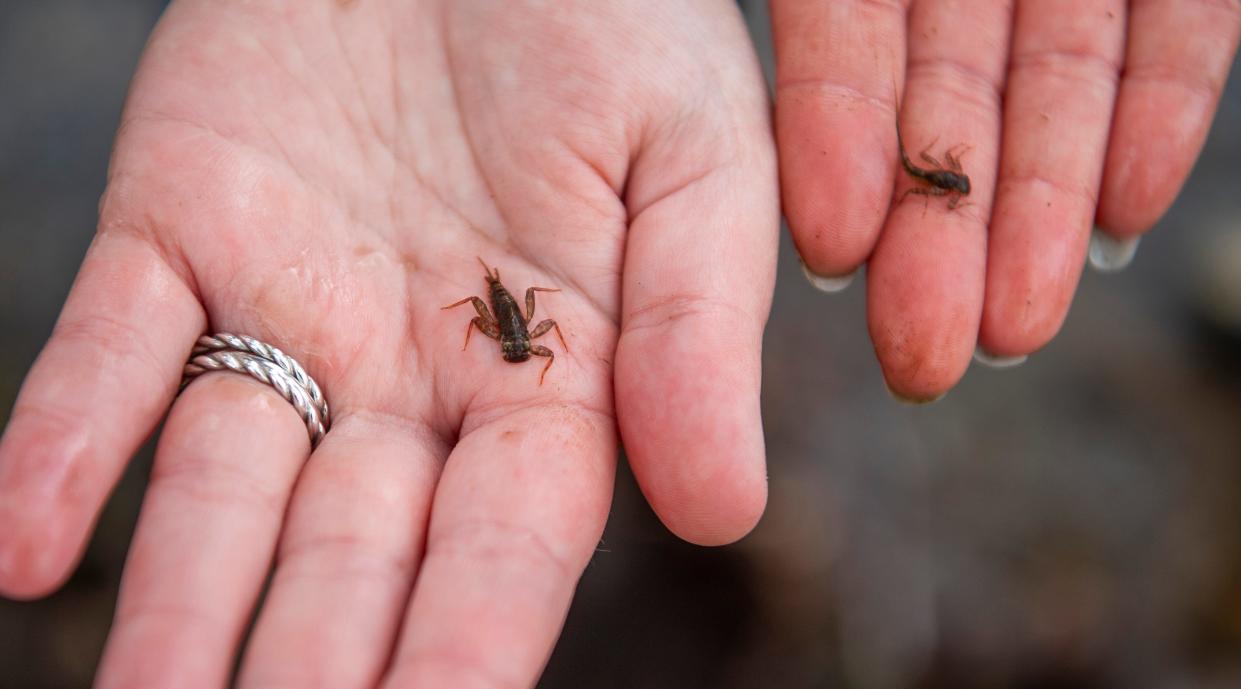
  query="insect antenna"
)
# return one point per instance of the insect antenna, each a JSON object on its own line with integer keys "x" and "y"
{"x": 487, "y": 270}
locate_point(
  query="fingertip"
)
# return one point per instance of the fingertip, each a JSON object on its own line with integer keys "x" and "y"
{"x": 1030, "y": 287}
{"x": 920, "y": 367}
{"x": 1013, "y": 328}
{"x": 35, "y": 559}
{"x": 917, "y": 394}
{"x": 1132, "y": 197}
{"x": 924, "y": 324}
{"x": 40, "y": 508}
{"x": 1136, "y": 191}
{"x": 689, "y": 415}
{"x": 720, "y": 512}
{"x": 835, "y": 189}
{"x": 825, "y": 250}
{"x": 1122, "y": 222}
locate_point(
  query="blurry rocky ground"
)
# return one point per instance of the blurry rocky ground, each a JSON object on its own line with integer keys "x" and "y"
{"x": 1071, "y": 523}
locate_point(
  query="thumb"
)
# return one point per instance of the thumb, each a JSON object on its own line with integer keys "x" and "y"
{"x": 698, "y": 277}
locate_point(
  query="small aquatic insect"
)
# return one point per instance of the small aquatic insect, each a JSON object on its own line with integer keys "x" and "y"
{"x": 508, "y": 325}
{"x": 948, "y": 181}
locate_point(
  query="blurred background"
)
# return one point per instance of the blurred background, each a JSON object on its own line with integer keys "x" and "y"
{"x": 1072, "y": 523}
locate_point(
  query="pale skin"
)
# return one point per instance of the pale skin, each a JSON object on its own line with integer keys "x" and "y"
{"x": 321, "y": 176}
{"x": 1078, "y": 114}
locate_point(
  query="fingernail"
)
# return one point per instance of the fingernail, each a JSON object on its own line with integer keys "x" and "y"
{"x": 916, "y": 401}
{"x": 1109, "y": 254}
{"x": 829, "y": 284}
{"x": 989, "y": 360}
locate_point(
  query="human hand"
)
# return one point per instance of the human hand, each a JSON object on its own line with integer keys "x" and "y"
{"x": 1075, "y": 115}
{"x": 321, "y": 176}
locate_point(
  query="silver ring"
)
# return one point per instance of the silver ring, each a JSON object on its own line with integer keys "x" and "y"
{"x": 225, "y": 351}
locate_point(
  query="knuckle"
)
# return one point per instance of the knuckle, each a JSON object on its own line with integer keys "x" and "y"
{"x": 964, "y": 84}
{"x": 209, "y": 482}
{"x": 673, "y": 307}
{"x": 346, "y": 555}
{"x": 113, "y": 340}
{"x": 1084, "y": 64}
{"x": 521, "y": 547}
{"x": 1078, "y": 190}
{"x": 1198, "y": 83}
{"x": 441, "y": 661}
{"x": 143, "y": 612}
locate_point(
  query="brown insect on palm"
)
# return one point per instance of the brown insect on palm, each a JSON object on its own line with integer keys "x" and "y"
{"x": 509, "y": 326}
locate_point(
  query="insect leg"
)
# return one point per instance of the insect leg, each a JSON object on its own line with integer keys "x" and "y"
{"x": 956, "y": 202}
{"x": 926, "y": 193}
{"x": 926, "y": 156}
{"x": 489, "y": 328}
{"x": 540, "y": 350}
{"x": 542, "y": 328}
{"x": 479, "y": 305}
{"x": 954, "y": 160}
{"x": 922, "y": 191}
{"x": 530, "y": 300}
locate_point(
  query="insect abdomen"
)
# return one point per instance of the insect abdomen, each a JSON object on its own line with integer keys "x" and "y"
{"x": 508, "y": 316}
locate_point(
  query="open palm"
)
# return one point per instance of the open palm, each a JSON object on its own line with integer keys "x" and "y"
{"x": 321, "y": 176}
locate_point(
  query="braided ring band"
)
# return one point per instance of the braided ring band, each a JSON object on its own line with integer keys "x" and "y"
{"x": 242, "y": 343}
{"x": 224, "y": 351}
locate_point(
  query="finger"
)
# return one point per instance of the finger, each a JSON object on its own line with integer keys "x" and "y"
{"x": 518, "y": 513}
{"x": 699, "y": 271}
{"x": 833, "y": 112}
{"x": 1057, "y": 111}
{"x": 925, "y": 281}
{"x": 1176, "y": 63}
{"x": 100, "y": 385}
{"x": 348, "y": 556}
{"x": 222, "y": 476}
